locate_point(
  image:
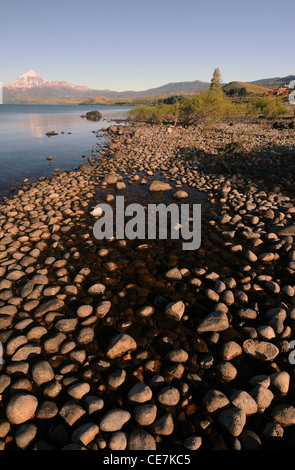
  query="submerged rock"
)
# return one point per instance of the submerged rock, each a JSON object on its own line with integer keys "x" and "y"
{"x": 159, "y": 186}
{"x": 93, "y": 116}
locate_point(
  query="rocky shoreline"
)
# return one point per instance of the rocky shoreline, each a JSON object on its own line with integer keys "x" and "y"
{"x": 139, "y": 345}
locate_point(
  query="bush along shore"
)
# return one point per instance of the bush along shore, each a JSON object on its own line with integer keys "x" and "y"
{"x": 139, "y": 345}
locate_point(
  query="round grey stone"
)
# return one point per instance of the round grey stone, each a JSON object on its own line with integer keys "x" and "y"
{"x": 78, "y": 390}
{"x": 46, "y": 410}
{"x": 145, "y": 311}
{"x": 215, "y": 321}
{"x": 163, "y": 426}
{"x": 42, "y": 372}
{"x": 226, "y": 371}
{"x": 84, "y": 311}
{"x": 85, "y": 434}
{"x": 261, "y": 350}
{"x": 169, "y": 396}
{"x": 175, "y": 310}
{"x": 140, "y": 393}
{"x": 85, "y": 335}
{"x": 273, "y": 430}
{"x": 71, "y": 412}
{"x": 4, "y": 382}
{"x": 229, "y": 350}
{"x": 118, "y": 441}
{"x": 139, "y": 439}
{"x": 242, "y": 399}
{"x": 263, "y": 397}
{"x": 145, "y": 414}
{"x": 214, "y": 400}
{"x": 173, "y": 274}
{"x": 281, "y": 381}
{"x": 96, "y": 289}
{"x": 233, "y": 420}
{"x": 4, "y": 428}
{"x": 114, "y": 420}
{"x": 66, "y": 325}
{"x": 177, "y": 355}
{"x": 21, "y": 408}
{"x": 25, "y": 434}
{"x": 93, "y": 403}
{"x": 193, "y": 442}
{"x": 102, "y": 308}
{"x": 115, "y": 379}
{"x": 284, "y": 415}
{"x": 119, "y": 345}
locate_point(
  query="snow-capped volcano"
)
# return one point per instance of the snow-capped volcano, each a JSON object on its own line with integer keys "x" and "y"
{"x": 28, "y": 80}
{"x": 31, "y": 79}
{"x": 31, "y": 88}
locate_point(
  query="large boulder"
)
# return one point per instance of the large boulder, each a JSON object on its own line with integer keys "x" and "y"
{"x": 93, "y": 116}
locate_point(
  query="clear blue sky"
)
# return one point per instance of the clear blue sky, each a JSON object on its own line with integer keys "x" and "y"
{"x": 134, "y": 44}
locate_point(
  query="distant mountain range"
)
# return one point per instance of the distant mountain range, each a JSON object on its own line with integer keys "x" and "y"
{"x": 31, "y": 88}
{"x": 274, "y": 82}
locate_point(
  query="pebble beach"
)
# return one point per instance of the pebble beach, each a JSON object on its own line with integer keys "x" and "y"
{"x": 138, "y": 344}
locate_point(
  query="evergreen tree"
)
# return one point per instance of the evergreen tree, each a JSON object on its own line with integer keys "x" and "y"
{"x": 242, "y": 92}
{"x": 216, "y": 82}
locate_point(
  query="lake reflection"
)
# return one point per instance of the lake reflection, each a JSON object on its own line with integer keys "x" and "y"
{"x": 24, "y": 145}
{"x": 39, "y": 124}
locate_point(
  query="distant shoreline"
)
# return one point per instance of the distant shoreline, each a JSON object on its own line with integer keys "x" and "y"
{"x": 65, "y": 104}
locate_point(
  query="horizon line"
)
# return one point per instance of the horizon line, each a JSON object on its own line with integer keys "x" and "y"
{"x": 146, "y": 89}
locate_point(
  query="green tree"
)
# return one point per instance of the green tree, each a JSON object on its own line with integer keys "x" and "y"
{"x": 242, "y": 92}
{"x": 216, "y": 81}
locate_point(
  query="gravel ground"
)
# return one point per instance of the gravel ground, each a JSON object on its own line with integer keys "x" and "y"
{"x": 138, "y": 344}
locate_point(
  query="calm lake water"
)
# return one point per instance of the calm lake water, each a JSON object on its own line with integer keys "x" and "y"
{"x": 24, "y": 145}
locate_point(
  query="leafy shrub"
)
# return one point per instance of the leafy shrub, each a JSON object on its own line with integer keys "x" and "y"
{"x": 156, "y": 114}
{"x": 267, "y": 107}
{"x": 206, "y": 107}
